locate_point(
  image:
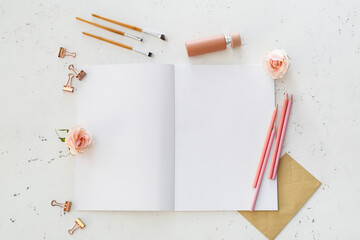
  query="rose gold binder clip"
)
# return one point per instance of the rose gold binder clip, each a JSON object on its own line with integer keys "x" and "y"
{"x": 79, "y": 75}
{"x": 66, "y": 206}
{"x": 63, "y": 53}
{"x": 68, "y": 86}
{"x": 78, "y": 224}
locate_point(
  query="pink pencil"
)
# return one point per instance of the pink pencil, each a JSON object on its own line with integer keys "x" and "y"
{"x": 263, "y": 167}
{"x": 264, "y": 147}
{"x": 288, "y": 108}
{"x": 276, "y": 146}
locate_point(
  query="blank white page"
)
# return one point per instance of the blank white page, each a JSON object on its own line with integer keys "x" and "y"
{"x": 129, "y": 109}
{"x": 222, "y": 114}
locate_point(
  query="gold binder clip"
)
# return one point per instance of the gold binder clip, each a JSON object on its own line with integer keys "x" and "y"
{"x": 78, "y": 224}
{"x": 66, "y": 206}
{"x": 79, "y": 75}
{"x": 68, "y": 86}
{"x": 63, "y": 53}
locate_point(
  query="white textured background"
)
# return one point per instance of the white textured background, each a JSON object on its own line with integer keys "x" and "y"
{"x": 321, "y": 37}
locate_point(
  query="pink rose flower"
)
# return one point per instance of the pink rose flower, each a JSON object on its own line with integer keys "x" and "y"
{"x": 276, "y": 63}
{"x": 78, "y": 140}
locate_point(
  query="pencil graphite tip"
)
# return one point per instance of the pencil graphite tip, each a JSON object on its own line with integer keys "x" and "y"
{"x": 150, "y": 54}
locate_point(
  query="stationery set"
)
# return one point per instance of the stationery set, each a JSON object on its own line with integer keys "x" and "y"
{"x": 183, "y": 137}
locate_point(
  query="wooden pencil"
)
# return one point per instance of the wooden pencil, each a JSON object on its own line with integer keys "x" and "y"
{"x": 283, "y": 132}
{"x": 263, "y": 167}
{"x": 276, "y": 146}
{"x": 265, "y": 147}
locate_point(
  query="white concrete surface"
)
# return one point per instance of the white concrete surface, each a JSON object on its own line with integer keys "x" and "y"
{"x": 321, "y": 37}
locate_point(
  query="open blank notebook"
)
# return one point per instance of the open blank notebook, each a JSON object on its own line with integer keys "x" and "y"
{"x": 173, "y": 137}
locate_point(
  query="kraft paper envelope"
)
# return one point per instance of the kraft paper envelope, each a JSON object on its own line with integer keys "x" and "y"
{"x": 295, "y": 187}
